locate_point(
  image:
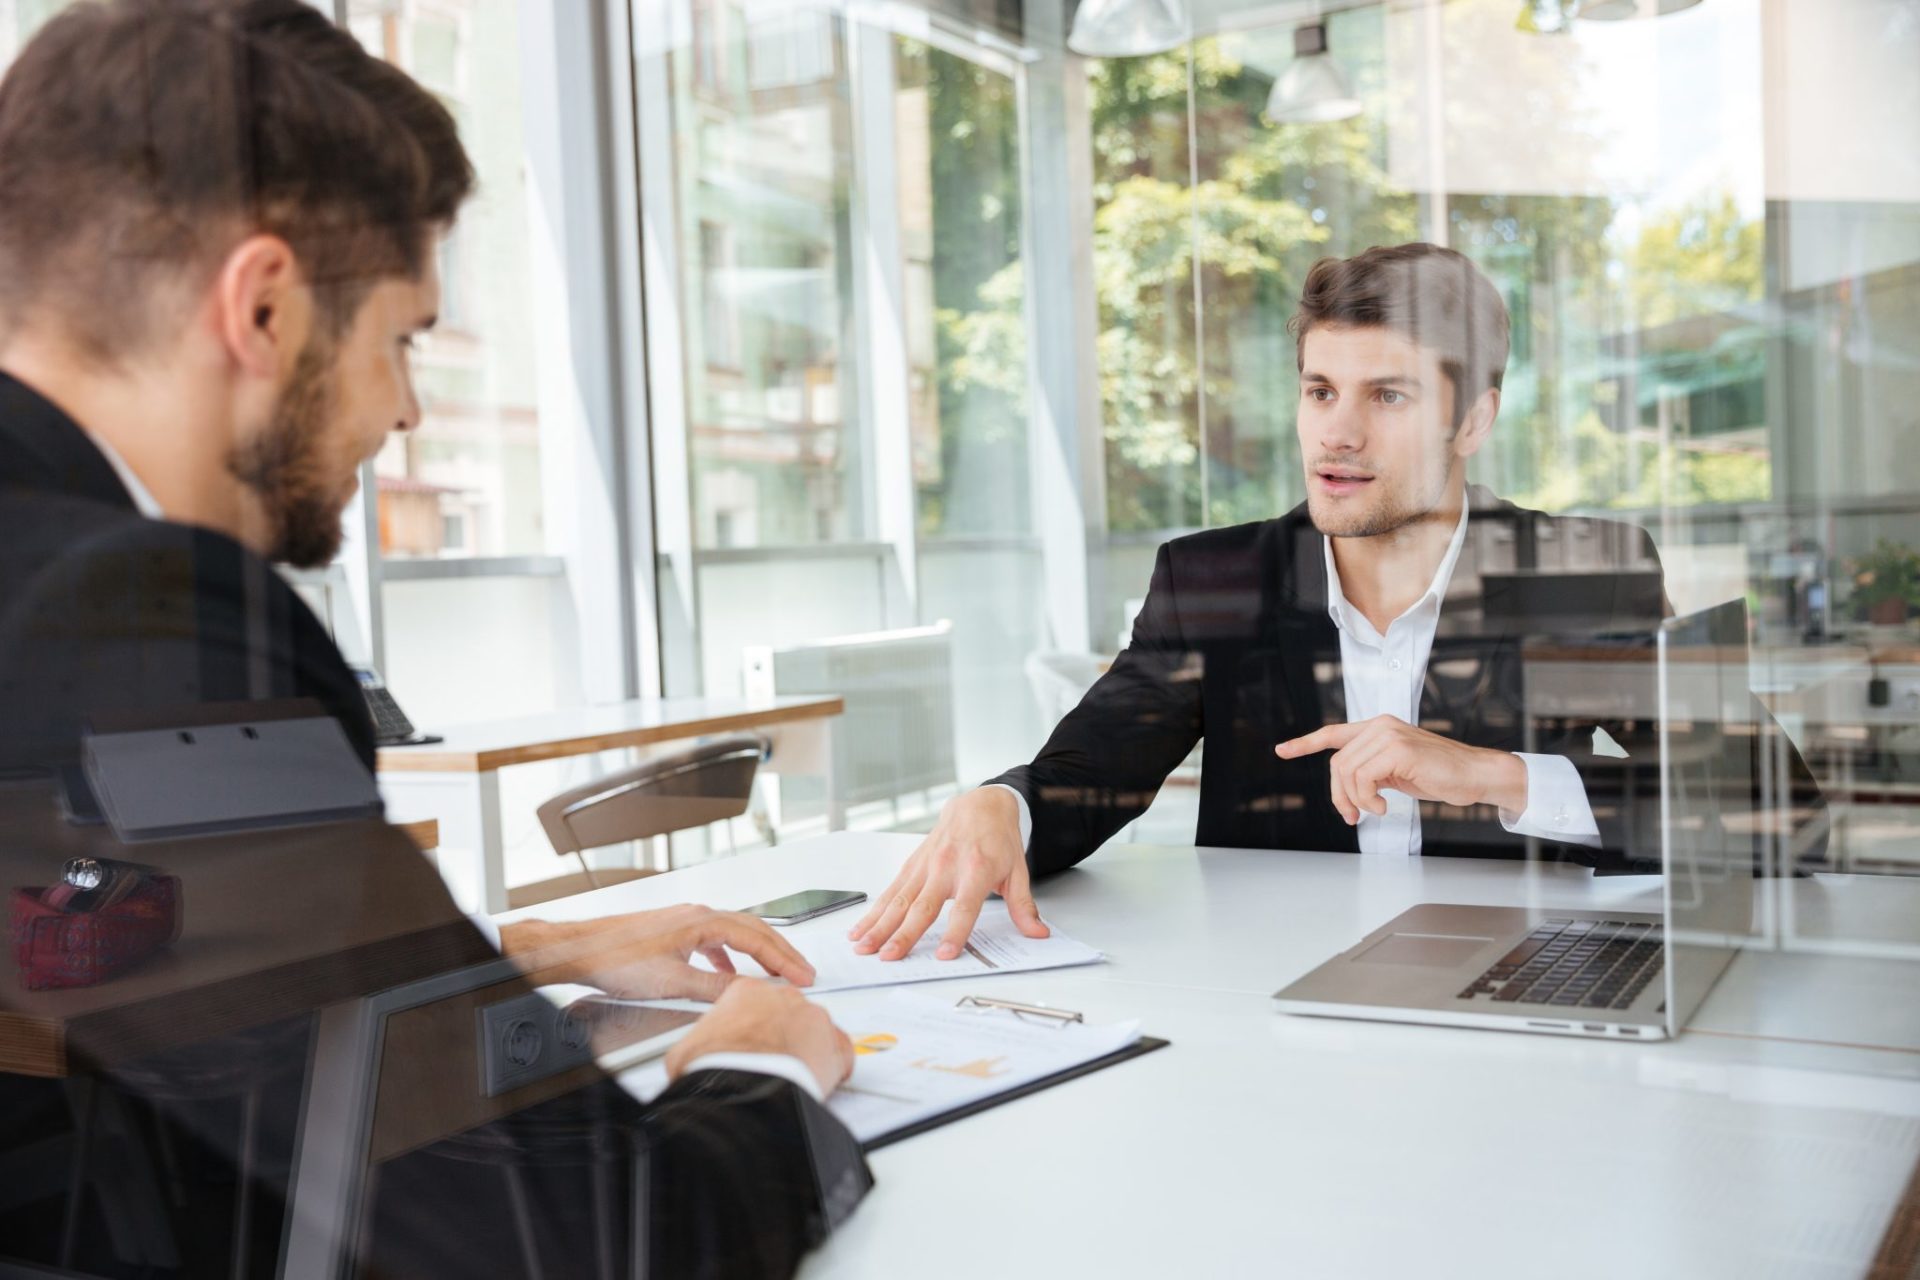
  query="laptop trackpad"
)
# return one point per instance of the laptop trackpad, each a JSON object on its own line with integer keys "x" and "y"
{"x": 1435, "y": 950}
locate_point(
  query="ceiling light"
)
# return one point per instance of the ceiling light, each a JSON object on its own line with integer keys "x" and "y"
{"x": 1312, "y": 89}
{"x": 1128, "y": 28}
{"x": 1548, "y": 17}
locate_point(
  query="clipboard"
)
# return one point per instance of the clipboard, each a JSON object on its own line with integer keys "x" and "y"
{"x": 1139, "y": 1048}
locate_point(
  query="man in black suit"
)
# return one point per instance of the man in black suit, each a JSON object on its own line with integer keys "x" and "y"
{"x": 219, "y": 223}
{"x": 1356, "y": 669}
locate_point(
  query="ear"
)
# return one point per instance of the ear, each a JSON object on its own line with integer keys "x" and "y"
{"x": 262, "y": 306}
{"x": 1478, "y": 426}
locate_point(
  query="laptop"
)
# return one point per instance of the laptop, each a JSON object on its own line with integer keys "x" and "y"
{"x": 1617, "y": 974}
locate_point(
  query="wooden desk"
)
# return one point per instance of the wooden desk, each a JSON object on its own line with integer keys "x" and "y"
{"x": 457, "y": 781}
{"x": 425, "y": 833}
{"x": 272, "y": 924}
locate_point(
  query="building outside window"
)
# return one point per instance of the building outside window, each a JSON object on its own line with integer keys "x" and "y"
{"x": 476, "y": 454}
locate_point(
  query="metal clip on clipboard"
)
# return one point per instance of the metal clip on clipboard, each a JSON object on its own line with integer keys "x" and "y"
{"x": 1059, "y": 1017}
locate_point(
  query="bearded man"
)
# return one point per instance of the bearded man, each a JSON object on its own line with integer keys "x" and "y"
{"x": 219, "y": 230}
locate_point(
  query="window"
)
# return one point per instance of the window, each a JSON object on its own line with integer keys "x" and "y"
{"x": 477, "y": 447}
{"x": 847, "y": 223}
{"x": 453, "y": 531}
{"x": 957, "y": 130}
{"x": 717, "y": 273}
{"x": 763, "y": 177}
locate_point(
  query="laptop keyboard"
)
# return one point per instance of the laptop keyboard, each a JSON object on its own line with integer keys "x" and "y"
{"x": 1586, "y": 964}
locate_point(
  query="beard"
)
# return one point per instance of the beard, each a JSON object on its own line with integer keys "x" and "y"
{"x": 1388, "y": 511}
{"x": 286, "y": 466}
{"x": 1385, "y": 515}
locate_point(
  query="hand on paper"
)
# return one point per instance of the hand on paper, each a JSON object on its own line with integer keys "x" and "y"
{"x": 974, "y": 850}
{"x": 644, "y": 955}
{"x": 756, "y": 1017}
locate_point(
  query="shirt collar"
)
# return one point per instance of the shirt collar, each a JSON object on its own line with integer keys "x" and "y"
{"x": 143, "y": 499}
{"x": 1337, "y": 606}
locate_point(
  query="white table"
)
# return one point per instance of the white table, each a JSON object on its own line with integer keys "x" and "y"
{"x": 457, "y": 780}
{"x": 1263, "y": 1144}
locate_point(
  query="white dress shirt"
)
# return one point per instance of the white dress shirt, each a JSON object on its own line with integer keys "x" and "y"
{"x": 142, "y": 496}
{"x": 783, "y": 1065}
{"x": 1384, "y": 675}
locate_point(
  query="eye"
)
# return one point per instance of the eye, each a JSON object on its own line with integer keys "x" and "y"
{"x": 409, "y": 342}
{"x": 1390, "y": 396}
{"x": 1322, "y": 394}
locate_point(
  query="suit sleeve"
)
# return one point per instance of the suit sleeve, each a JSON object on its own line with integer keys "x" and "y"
{"x": 743, "y": 1174}
{"x": 1106, "y": 760}
{"x": 728, "y": 1175}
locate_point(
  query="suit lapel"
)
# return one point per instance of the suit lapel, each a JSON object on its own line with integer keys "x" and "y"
{"x": 1476, "y": 647}
{"x": 1301, "y": 643}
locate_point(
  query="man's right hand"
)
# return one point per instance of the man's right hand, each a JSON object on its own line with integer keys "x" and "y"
{"x": 757, "y": 1017}
{"x": 974, "y": 850}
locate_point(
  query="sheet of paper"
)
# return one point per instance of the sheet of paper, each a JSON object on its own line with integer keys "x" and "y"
{"x": 996, "y": 947}
{"x": 918, "y": 1056}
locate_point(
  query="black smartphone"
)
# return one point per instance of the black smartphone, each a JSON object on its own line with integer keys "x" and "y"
{"x": 796, "y": 907}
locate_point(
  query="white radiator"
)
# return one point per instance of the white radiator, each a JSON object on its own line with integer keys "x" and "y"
{"x": 897, "y": 733}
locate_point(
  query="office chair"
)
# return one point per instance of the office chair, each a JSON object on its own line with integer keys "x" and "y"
{"x": 708, "y": 783}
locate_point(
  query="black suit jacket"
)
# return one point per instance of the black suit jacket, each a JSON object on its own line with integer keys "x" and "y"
{"x": 102, "y": 613}
{"x": 1234, "y": 648}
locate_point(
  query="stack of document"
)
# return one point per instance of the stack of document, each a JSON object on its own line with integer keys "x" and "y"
{"x": 918, "y": 1057}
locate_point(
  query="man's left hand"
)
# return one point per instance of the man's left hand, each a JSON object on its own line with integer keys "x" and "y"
{"x": 1388, "y": 754}
{"x": 645, "y": 954}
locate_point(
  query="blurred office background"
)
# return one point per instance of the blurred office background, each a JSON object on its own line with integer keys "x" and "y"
{"x": 787, "y": 320}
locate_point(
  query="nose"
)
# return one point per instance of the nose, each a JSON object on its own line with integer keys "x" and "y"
{"x": 1342, "y": 429}
{"x": 410, "y": 413}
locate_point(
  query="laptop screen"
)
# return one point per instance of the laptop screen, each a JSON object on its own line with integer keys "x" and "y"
{"x": 1711, "y": 810}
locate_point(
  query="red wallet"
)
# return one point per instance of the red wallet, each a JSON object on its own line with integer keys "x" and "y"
{"x": 56, "y": 948}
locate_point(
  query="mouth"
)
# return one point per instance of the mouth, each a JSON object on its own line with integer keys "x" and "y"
{"x": 1342, "y": 480}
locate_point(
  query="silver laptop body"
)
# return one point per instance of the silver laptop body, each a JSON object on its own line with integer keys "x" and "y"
{"x": 1632, "y": 975}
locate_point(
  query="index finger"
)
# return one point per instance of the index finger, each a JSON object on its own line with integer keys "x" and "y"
{"x": 753, "y": 937}
{"x": 1328, "y": 738}
{"x": 879, "y": 906}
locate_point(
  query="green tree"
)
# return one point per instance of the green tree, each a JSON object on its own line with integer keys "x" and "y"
{"x": 1703, "y": 258}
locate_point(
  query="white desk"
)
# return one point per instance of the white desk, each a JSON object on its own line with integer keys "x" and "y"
{"x": 1262, "y": 1144}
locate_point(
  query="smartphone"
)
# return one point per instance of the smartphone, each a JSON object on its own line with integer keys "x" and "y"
{"x": 796, "y": 907}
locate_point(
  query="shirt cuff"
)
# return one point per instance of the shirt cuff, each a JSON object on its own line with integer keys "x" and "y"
{"x": 488, "y": 930}
{"x": 1557, "y": 807}
{"x": 1026, "y": 814}
{"x": 785, "y": 1066}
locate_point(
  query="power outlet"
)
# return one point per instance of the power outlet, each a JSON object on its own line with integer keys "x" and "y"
{"x": 528, "y": 1038}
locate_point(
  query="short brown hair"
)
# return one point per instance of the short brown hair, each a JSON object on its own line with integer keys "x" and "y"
{"x": 140, "y": 140}
{"x": 1428, "y": 295}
